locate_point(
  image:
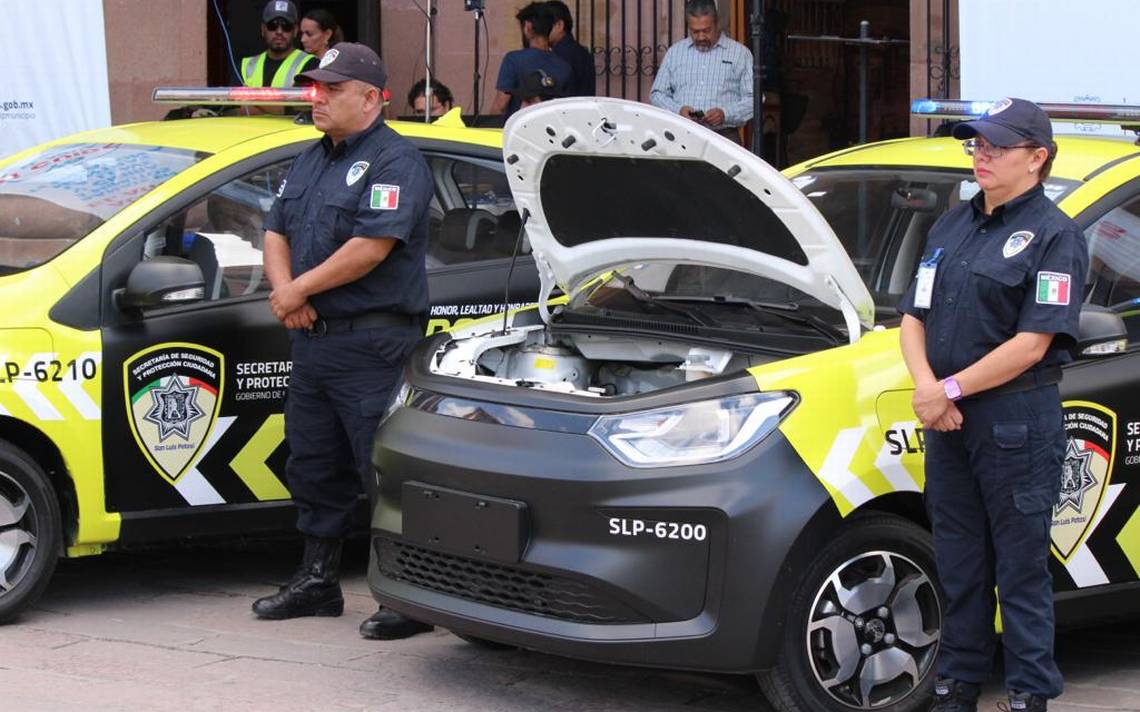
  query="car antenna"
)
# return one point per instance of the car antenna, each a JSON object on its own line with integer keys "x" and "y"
{"x": 510, "y": 271}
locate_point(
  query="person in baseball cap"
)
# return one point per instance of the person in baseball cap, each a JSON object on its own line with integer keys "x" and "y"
{"x": 988, "y": 321}
{"x": 351, "y": 285}
{"x": 280, "y": 63}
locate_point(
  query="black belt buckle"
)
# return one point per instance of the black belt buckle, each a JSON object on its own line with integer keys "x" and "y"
{"x": 319, "y": 328}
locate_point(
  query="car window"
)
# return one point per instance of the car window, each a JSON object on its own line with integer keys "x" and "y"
{"x": 1114, "y": 264}
{"x": 223, "y": 234}
{"x": 882, "y": 216}
{"x": 473, "y": 215}
{"x": 57, "y": 196}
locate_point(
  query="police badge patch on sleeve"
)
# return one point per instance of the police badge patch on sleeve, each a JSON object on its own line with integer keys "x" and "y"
{"x": 1016, "y": 242}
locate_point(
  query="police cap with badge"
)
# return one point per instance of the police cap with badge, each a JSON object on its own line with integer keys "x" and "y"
{"x": 348, "y": 60}
{"x": 1010, "y": 122}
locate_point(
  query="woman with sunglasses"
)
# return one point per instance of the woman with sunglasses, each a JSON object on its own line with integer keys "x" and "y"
{"x": 319, "y": 31}
{"x": 281, "y": 61}
{"x": 986, "y": 326}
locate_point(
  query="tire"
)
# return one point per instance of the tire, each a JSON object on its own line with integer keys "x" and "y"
{"x": 863, "y": 624}
{"x": 30, "y": 531}
{"x": 482, "y": 642}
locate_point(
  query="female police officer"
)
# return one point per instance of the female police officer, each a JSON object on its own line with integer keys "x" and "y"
{"x": 985, "y": 325}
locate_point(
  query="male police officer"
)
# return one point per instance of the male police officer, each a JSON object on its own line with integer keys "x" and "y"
{"x": 281, "y": 62}
{"x": 344, "y": 252}
{"x": 985, "y": 325}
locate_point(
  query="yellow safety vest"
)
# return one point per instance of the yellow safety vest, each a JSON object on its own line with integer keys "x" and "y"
{"x": 251, "y": 69}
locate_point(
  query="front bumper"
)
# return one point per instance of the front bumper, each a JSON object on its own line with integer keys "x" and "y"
{"x": 586, "y": 582}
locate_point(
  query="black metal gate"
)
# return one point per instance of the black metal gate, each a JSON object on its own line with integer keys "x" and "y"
{"x": 628, "y": 39}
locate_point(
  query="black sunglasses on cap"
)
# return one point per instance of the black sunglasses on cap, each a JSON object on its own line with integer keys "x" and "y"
{"x": 275, "y": 25}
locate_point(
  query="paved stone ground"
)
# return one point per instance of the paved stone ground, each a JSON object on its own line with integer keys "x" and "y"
{"x": 172, "y": 629}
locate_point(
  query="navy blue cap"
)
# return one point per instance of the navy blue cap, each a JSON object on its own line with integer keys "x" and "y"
{"x": 348, "y": 60}
{"x": 1010, "y": 122}
{"x": 538, "y": 84}
{"x": 285, "y": 9}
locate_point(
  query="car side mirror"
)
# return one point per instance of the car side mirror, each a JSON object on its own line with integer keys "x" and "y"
{"x": 1102, "y": 333}
{"x": 162, "y": 281}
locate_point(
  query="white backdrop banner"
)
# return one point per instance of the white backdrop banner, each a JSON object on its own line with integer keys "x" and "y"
{"x": 54, "y": 69}
{"x": 1051, "y": 50}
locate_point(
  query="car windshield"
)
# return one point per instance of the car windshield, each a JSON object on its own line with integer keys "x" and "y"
{"x": 55, "y": 197}
{"x": 882, "y": 216}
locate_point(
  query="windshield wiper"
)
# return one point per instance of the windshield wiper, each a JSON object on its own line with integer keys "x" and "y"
{"x": 789, "y": 311}
{"x": 645, "y": 297}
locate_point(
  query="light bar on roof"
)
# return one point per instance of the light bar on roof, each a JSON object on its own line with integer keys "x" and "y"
{"x": 236, "y": 96}
{"x": 1083, "y": 113}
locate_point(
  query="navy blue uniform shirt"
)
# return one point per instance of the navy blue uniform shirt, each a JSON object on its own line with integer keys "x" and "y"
{"x": 582, "y": 63}
{"x": 1020, "y": 269}
{"x": 372, "y": 184}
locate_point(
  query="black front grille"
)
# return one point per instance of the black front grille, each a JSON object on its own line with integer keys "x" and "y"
{"x": 507, "y": 587}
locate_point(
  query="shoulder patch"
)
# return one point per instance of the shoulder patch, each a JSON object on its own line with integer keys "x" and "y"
{"x": 1016, "y": 242}
{"x": 385, "y": 197}
{"x": 1053, "y": 288}
{"x": 355, "y": 172}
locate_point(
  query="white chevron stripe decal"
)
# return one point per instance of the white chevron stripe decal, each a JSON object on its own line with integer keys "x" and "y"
{"x": 1082, "y": 565}
{"x": 836, "y": 469}
{"x": 193, "y": 485}
{"x": 28, "y": 390}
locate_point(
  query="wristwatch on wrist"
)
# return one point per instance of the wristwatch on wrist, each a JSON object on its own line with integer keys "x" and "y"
{"x": 951, "y": 387}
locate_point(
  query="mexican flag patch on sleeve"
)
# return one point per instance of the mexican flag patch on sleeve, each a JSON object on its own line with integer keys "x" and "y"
{"x": 385, "y": 197}
{"x": 1052, "y": 288}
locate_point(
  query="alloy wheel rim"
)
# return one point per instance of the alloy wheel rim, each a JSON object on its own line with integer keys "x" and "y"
{"x": 873, "y": 630}
{"x": 18, "y": 535}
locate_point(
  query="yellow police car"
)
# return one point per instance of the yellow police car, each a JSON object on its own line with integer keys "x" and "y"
{"x": 707, "y": 458}
{"x": 142, "y": 374}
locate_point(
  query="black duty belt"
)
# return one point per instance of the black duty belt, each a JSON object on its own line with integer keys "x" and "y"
{"x": 1027, "y": 381}
{"x": 372, "y": 320}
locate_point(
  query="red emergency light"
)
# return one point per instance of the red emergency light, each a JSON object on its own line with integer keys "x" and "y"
{"x": 241, "y": 96}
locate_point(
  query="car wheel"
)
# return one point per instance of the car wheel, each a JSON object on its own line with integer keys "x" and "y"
{"x": 483, "y": 642}
{"x": 30, "y": 531}
{"x": 864, "y": 623}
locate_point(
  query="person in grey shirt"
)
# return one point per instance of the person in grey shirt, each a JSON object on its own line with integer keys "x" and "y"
{"x": 707, "y": 76}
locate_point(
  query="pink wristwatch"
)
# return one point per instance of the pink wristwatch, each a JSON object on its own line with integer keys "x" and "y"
{"x": 951, "y": 387}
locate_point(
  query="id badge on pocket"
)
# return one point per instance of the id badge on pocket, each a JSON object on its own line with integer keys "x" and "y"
{"x": 924, "y": 289}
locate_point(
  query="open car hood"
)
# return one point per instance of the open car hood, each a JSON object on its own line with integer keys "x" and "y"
{"x": 606, "y": 182}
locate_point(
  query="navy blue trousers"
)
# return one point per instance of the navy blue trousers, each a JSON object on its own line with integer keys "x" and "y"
{"x": 338, "y": 389}
{"x": 990, "y": 490}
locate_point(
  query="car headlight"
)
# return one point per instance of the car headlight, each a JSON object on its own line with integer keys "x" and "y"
{"x": 400, "y": 394}
{"x": 692, "y": 433}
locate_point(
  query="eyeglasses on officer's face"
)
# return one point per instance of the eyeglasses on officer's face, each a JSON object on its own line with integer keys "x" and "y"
{"x": 282, "y": 25}
{"x": 981, "y": 148}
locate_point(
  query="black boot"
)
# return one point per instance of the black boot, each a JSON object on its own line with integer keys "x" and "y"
{"x": 955, "y": 696}
{"x": 386, "y": 624}
{"x": 1025, "y": 702}
{"x": 314, "y": 589}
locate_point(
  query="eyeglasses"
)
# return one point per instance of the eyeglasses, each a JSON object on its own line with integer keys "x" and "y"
{"x": 971, "y": 147}
{"x": 275, "y": 25}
